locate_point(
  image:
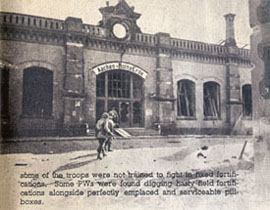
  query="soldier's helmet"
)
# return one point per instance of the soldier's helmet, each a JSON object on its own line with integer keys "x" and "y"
{"x": 105, "y": 115}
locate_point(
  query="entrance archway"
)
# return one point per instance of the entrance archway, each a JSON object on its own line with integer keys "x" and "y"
{"x": 122, "y": 90}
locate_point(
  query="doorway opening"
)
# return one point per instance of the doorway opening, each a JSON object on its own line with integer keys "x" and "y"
{"x": 124, "y": 91}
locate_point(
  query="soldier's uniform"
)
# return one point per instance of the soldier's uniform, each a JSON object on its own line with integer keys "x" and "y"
{"x": 114, "y": 117}
{"x": 109, "y": 127}
{"x": 101, "y": 134}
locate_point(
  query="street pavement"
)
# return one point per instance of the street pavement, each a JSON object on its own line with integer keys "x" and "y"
{"x": 77, "y": 157}
{"x": 53, "y": 145}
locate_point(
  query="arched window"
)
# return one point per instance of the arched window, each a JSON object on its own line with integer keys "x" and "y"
{"x": 186, "y": 98}
{"x": 122, "y": 90}
{"x": 4, "y": 91}
{"x": 247, "y": 100}
{"x": 37, "y": 92}
{"x": 211, "y": 96}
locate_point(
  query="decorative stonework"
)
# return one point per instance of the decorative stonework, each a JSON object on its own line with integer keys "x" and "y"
{"x": 32, "y": 36}
{"x": 53, "y": 32}
{"x": 121, "y": 16}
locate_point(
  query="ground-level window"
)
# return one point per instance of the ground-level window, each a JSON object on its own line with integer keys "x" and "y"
{"x": 247, "y": 100}
{"x": 4, "y": 91}
{"x": 37, "y": 92}
{"x": 211, "y": 96}
{"x": 186, "y": 98}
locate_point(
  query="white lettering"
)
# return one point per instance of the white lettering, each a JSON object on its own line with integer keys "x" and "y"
{"x": 123, "y": 66}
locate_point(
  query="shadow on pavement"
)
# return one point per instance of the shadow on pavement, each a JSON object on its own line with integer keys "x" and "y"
{"x": 46, "y": 147}
{"x": 181, "y": 155}
{"x": 83, "y": 156}
{"x": 75, "y": 165}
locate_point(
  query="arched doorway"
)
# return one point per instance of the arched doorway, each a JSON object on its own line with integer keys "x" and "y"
{"x": 122, "y": 90}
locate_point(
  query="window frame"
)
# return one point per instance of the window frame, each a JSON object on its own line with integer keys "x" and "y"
{"x": 247, "y": 117}
{"x": 189, "y": 84}
{"x": 35, "y": 82}
{"x": 218, "y": 100}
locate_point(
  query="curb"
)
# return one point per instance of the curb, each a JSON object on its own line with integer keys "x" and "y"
{"x": 92, "y": 138}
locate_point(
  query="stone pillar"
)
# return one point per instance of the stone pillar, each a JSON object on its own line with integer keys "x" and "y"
{"x": 260, "y": 58}
{"x": 234, "y": 104}
{"x": 74, "y": 74}
{"x": 164, "y": 92}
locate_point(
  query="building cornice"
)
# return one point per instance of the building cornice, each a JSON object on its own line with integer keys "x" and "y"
{"x": 50, "y": 31}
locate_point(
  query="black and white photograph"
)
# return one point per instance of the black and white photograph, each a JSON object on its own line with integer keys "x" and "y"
{"x": 135, "y": 105}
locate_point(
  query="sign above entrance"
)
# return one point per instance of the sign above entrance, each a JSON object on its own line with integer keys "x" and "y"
{"x": 120, "y": 66}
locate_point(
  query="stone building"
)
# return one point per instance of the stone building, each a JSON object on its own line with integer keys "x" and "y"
{"x": 59, "y": 74}
{"x": 260, "y": 58}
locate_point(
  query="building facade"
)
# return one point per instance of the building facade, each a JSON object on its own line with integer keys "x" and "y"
{"x": 260, "y": 57}
{"x": 59, "y": 74}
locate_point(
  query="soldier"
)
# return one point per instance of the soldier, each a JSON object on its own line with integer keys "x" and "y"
{"x": 109, "y": 127}
{"x": 101, "y": 134}
{"x": 115, "y": 116}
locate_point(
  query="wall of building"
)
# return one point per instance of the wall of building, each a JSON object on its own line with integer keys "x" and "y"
{"x": 200, "y": 73}
{"x": 53, "y": 58}
{"x": 260, "y": 58}
{"x": 24, "y": 55}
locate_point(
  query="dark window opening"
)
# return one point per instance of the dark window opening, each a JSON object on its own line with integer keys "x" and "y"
{"x": 137, "y": 87}
{"x": 99, "y": 109}
{"x": 137, "y": 112}
{"x": 124, "y": 112}
{"x": 247, "y": 100}
{"x": 115, "y": 104}
{"x": 100, "y": 90}
{"x": 37, "y": 92}
{"x": 186, "y": 98}
{"x": 267, "y": 67}
{"x": 4, "y": 91}
{"x": 119, "y": 84}
{"x": 211, "y": 95}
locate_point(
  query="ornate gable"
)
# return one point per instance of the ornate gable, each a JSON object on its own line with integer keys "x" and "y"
{"x": 122, "y": 8}
{"x": 120, "y": 18}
